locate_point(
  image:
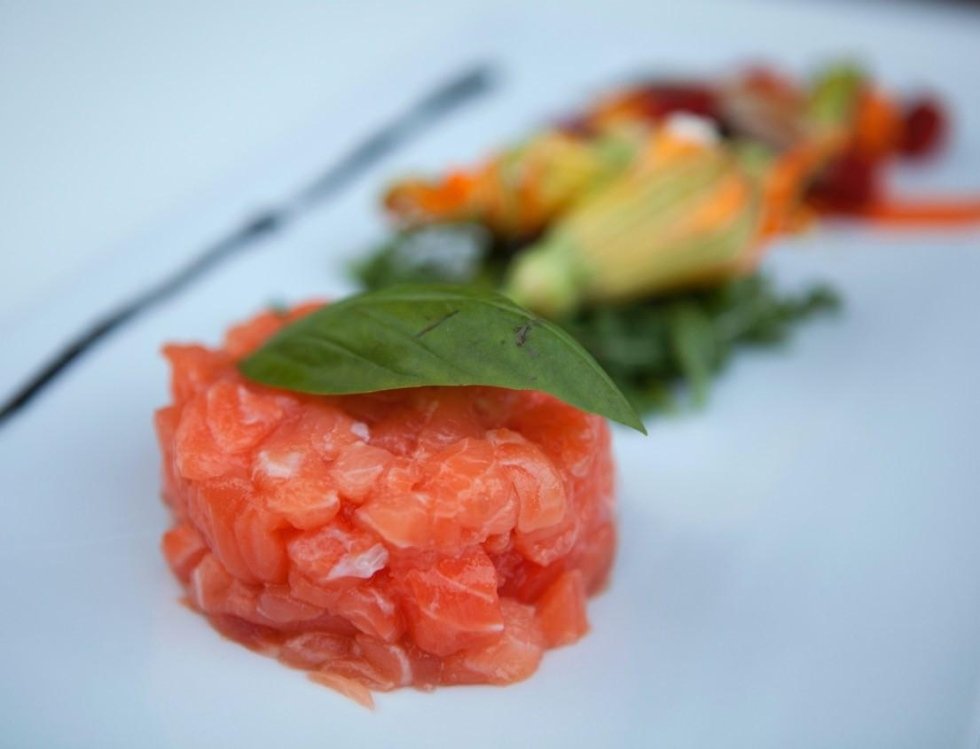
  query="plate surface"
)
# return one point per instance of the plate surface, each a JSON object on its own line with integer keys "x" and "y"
{"x": 799, "y": 563}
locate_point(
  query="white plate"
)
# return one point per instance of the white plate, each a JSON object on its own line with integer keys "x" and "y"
{"x": 799, "y": 563}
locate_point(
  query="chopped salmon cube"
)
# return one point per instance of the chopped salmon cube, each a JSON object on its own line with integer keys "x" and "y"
{"x": 561, "y": 611}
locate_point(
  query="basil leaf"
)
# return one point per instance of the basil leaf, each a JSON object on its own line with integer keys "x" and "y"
{"x": 419, "y": 335}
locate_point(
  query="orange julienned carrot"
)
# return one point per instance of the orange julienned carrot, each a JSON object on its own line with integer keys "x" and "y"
{"x": 935, "y": 212}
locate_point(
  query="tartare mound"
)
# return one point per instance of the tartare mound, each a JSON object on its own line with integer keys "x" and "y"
{"x": 405, "y": 538}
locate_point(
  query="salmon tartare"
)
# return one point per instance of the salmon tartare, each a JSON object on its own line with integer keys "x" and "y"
{"x": 417, "y": 537}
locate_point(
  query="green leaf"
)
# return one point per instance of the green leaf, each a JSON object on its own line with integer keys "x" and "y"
{"x": 440, "y": 253}
{"x": 834, "y": 94}
{"x": 419, "y": 335}
{"x": 693, "y": 339}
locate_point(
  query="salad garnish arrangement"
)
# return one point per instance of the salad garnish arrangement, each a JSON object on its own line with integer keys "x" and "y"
{"x": 640, "y": 224}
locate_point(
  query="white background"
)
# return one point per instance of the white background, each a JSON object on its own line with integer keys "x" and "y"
{"x": 114, "y": 115}
{"x": 798, "y": 565}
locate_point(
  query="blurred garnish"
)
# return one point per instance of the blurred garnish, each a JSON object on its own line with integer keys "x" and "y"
{"x": 686, "y": 215}
{"x": 441, "y": 253}
{"x": 639, "y": 224}
{"x": 838, "y": 132}
{"x": 649, "y": 347}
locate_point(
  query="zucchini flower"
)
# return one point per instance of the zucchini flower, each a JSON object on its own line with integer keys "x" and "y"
{"x": 687, "y": 214}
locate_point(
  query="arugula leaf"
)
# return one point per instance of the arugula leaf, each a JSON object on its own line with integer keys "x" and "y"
{"x": 693, "y": 344}
{"x": 419, "y": 335}
{"x": 651, "y": 346}
{"x": 447, "y": 253}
